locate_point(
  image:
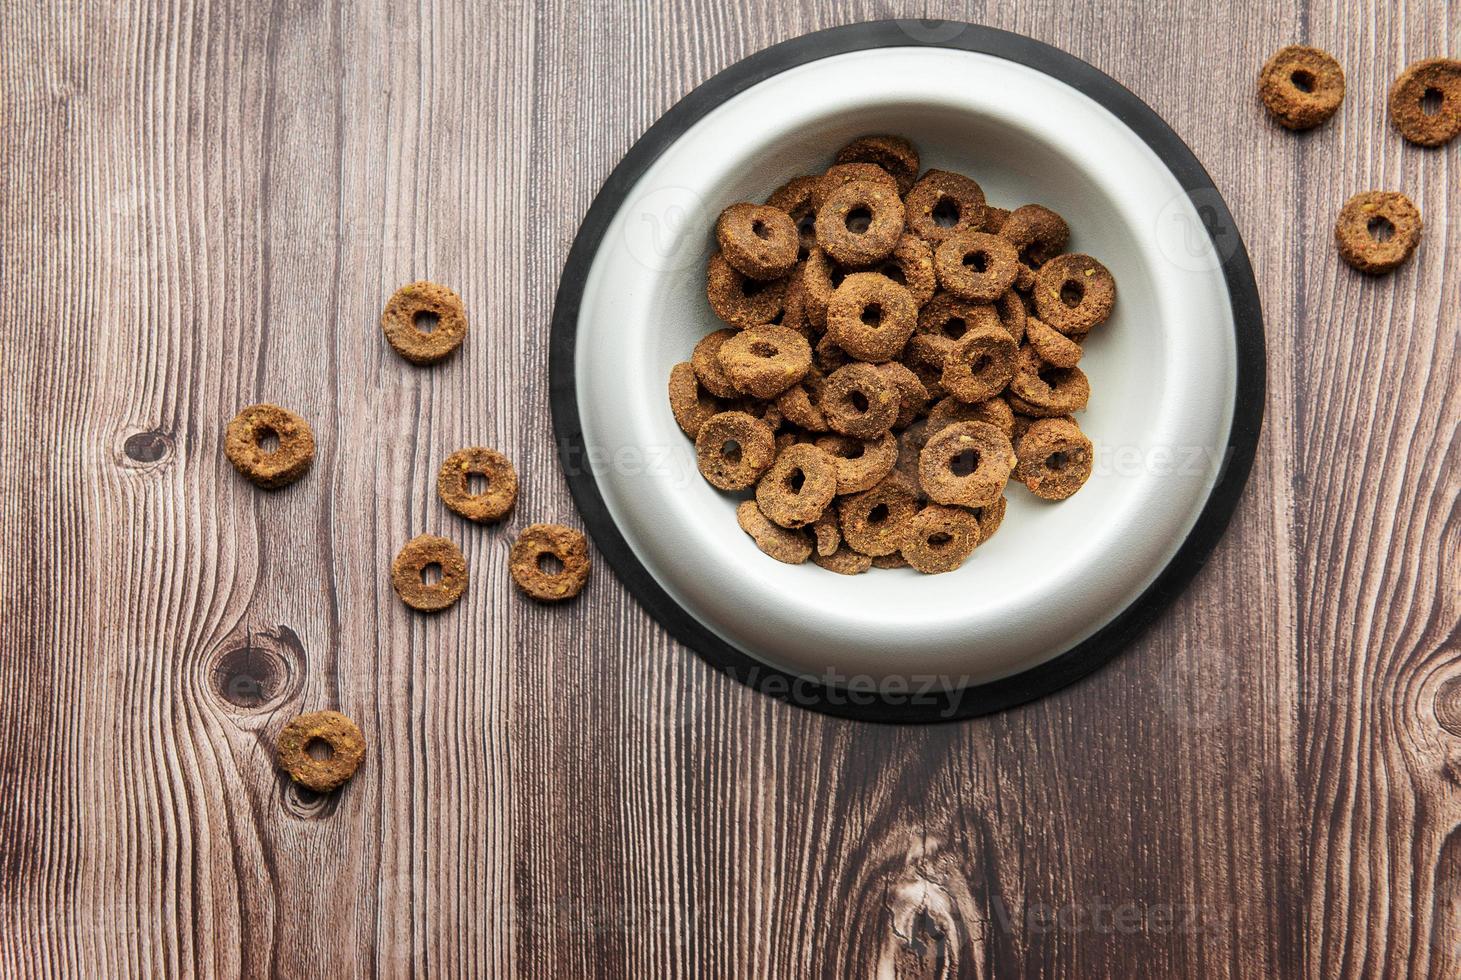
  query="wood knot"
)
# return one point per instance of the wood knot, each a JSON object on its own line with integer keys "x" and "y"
{"x": 303, "y": 803}
{"x": 258, "y": 670}
{"x": 151, "y": 446}
{"x": 1447, "y": 706}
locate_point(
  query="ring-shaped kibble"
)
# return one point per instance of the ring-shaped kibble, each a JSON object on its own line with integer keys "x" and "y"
{"x": 873, "y": 521}
{"x": 1301, "y": 86}
{"x": 758, "y": 241}
{"x": 1037, "y": 233}
{"x": 995, "y": 411}
{"x": 1420, "y": 84}
{"x": 801, "y": 408}
{"x": 948, "y": 317}
{"x": 1052, "y": 346}
{"x": 738, "y": 300}
{"x": 567, "y": 548}
{"x": 783, "y": 544}
{"x": 733, "y": 449}
{"x": 860, "y": 464}
{"x": 1055, "y": 458}
{"x": 705, "y": 359}
{"x": 820, "y": 279}
{"x": 250, "y": 431}
{"x": 892, "y": 153}
{"x": 860, "y": 402}
{"x": 424, "y": 322}
{"x": 826, "y": 533}
{"x": 942, "y": 205}
{"x": 843, "y": 561}
{"x": 994, "y": 219}
{"x": 1012, "y": 314}
{"x": 765, "y": 361}
{"x": 911, "y": 266}
{"x": 797, "y": 198}
{"x": 871, "y": 317}
{"x": 798, "y": 487}
{"x": 975, "y": 266}
{"x": 1044, "y": 390}
{"x": 1369, "y": 217}
{"x": 342, "y": 736}
{"x": 408, "y": 573}
{"x": 967, "y": 464}
{"x": 912, "y": 395}
{"x": 938, "y": 538}
{"x": 990, "y": 517}
{"x": 1074, "y": 293}
{"x": 794, "y": 305}
{"x": 859, "y": 224}
{"x": 453, "y": 484}
{"x": 895, "y": 560}
{"x": 690, "y": 403}
{"x": 980, "y": 364}
{"x": 840, "y": 175}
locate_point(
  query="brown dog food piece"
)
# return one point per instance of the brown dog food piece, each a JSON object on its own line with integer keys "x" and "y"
{"x": 911, "y": 266}
{"x": 799, "y": 406}
{"x": 872, "y": 522}
{"x": 827, "y": 534}
{"x": 994, "y": 219}
{"x": 1012, "y": 314}
{"x": 689, "y": 401}
{"x": 795, "y": 197}
{"x": 976, "y": 267}
{"x": 1055, "y": 458}
{"x": 1301, "y": 86}
{"x": 820, "y": 278}
{"x": 966, "y": 463}
{"x": 947, "y": 411}
{"x": 980, "y": 364}
{"x": 860, "y": 464}
{"x": 892, "y": 153}
{"x": 990, "y": 517}
{"x": 738, "y": 300}
{"x": 1074, "y": 293}
{"x": 1037, "y": 233}
{"x": 798, "y": 487}
{"x": 871, "y": 317}
{"x": 840, "y": 175}
{"x": 942, "y": 204}
{"x": 860, "y": 402}
{"x": 409, "y": 569}
{"x": 347, "y": 749}
{"x": 1432, "y": 78}
{"x": 765, "y": 361}
{"x": 412, "y": 308}
{"x": 243, "y": 444}
{"x": 859, "y": 224}
{"x": 791, "y": 547}
{"x": 844, "y": 561}
{"x": 705, "y": 359}
{"x": 537, "y": 541}
{"x": 1375, "y": 210}
{"x": 1053, "y": 346}
{"x": 733, "y": 449}
{"x": 912, "y": 395}
{"x": 758, "y": 241}
{"x": 938, "y": 539}
{"x": 1044, "y": 390}
{"x": 453, "y": 484}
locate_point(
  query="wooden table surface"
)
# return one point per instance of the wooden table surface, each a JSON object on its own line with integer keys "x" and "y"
{"x": 205, "y": 205}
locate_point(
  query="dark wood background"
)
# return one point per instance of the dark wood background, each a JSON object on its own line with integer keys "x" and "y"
{"x": 203, "y": 205}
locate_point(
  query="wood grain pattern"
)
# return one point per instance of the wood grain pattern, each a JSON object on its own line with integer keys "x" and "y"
{"x": 203, "y": 205}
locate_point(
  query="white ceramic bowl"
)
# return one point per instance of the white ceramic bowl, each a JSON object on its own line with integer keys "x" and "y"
{"x": 1164, "y": 370}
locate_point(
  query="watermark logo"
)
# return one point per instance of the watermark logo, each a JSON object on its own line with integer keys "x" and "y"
{"x": 664, "y": 229}
{"x": 1194, "y": 231}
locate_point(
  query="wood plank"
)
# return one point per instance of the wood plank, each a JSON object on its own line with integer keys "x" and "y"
{"x": 207, "y": 205}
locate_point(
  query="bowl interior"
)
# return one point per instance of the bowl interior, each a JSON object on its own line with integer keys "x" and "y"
{"x": 1162, "y": 370}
